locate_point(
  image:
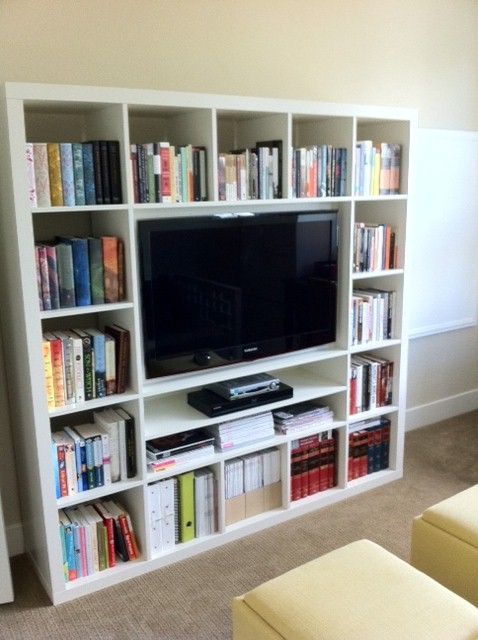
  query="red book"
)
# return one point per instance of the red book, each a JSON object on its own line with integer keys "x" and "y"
{"x": 62, "y": 470}
{"x": 164, "y": 157}
{"x": 125, "y": 530}
{"x": 314, "y": 469}
{"x": 332, "y": 457}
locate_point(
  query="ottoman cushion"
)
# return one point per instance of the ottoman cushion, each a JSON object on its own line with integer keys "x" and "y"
{"x": 360, "y": 592}
{"x": 458, "y": 515}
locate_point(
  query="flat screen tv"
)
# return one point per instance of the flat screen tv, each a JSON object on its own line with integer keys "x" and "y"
{"x": 219, "y": 289}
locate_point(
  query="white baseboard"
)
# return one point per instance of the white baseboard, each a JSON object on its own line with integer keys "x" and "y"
{"x": 442, "y": 409}
{"x": 15, "y": 543}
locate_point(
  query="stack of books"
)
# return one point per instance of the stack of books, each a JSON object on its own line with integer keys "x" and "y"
{"x": 319, "y": 171}
{"x": 373, "y": 312}
{"x": 94, "y": 537}
{"x": 92, "y": 455}
{"x": 65, "y": 174}
{"x": 81, "y": 365}
{"x": 377, "y": 168}
{"x": 299, "y": 417}
{"x": 371, "y": 380}
{"x": 78, "y": 272}
{"x": 166, "y": 452}
{"x": 313, "y": 464}
{"x": 165, "y": 173}
{"x": 243, "y": 430}
{"x": 369, "y": 446}
{"x": 375, "y": 247}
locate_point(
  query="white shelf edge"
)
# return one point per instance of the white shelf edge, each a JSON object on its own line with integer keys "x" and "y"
{"x": 98, "y": 492}
{"x": 96, "y": 208}
{"x": 84, "y": 310}
{"x": 373, "y": 413}
{"x": 364, "y": 275}
{"x": 379, "y": 344}
{"x": 96, "y": 403}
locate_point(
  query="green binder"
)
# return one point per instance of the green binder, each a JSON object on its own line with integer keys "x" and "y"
{"x": 186, "y": 506}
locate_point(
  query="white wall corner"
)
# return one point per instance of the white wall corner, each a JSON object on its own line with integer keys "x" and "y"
{"x": 15, "y": 542}
{"x": 442, "y": 409}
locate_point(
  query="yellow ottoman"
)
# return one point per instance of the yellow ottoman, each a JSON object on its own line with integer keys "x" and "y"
{"x": 445, "y": 543}
{"x": 357, "y": 592}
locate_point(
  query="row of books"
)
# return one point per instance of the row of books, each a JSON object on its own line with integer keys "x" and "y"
{"x": 233, "y": 433}
{"x": 251, "y": 472}
{"x": 319, "y": 171}
{"x": 182, "y": 508}
{"x": 66, "y": 174}
{"x": 163, "y": 172}
{"x": 377, "y": 168}
{"x": 94, "y": 537}
{"x": 251, "y": 174}
{"x": 165, "y": 452}
{"x": 375, "y": 247}
{"x": 369, "y": 447}
{"x": 313, "y": 464}
{"x": 303, "y": 415}
{"x": 370, "y": 383}
{"x": 79, "y": 272}
{"x": 373, "y": 312}
{"x": 92, "y": 455}
{"x": 82, "y": 364}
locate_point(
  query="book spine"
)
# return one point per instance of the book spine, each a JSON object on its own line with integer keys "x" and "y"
{"x": 114, "y": 171}
{"x": 57, "y": 368}
{"x": 48, "y": 370}
{"x": 78, "y": 173}
{"x": 95, "y": 254}
{"x": 32, "y": 189}
{"x": 67, "y": 177}
{"x": 42, "y": 175}
{"x": 44, "y": 276}
{"x": 110, "y": 362}
{"x": 66, "y": 280}
{"x": 54, "y": 171}
{"x": 105, "y": 173}
{"x": 62, "y": 470}
{"x": 88, "y": 370}
{"x": 125, "y": 530}
{"x": 133, "y": 154}
{"x": 97, "y": 172}
{"x": 53, "y": 284}
{"x": 81, "y": 271}
{"x": 121, "y": 271}
{"x": 38, "y": 274}
{"x": 89, "y": 173}
{"x": 100, "y": 365}
{"x": 110, "y": 267}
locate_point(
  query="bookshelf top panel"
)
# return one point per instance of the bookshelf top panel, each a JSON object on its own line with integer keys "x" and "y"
{"x": 89, "y": 95}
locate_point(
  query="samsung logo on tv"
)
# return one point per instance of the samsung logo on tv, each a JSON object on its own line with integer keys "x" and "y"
{"x": 251, "y": 349}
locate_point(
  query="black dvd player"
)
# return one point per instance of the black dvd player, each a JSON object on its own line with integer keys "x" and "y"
{"x": 212, "y": 404}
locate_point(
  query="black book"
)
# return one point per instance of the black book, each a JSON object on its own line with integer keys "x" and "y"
{"x": 104, "y": 170}
{"x": 97, "y": 171}
{"x": 114, "y": 171}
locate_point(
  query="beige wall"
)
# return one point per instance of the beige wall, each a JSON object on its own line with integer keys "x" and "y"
{"x": 420, "y": 53}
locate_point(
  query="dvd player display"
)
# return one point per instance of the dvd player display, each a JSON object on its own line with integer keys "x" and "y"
{"x": 245, "y": 387}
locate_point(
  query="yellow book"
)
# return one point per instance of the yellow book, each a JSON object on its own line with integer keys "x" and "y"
{"x": 47, "y": 365}
{"x": 186, "y": 507}
{"x": 54, "y": 171}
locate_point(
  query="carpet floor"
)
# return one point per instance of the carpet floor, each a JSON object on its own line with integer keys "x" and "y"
{"x": 191, "y": 600}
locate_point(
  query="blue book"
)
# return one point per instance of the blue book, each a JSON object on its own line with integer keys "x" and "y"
{"x": 81, "y": 269}
{"x": 78, "y": 174}
{"x": 56, "y": 471}
{"x": 67, "y": 175}
{"x": 98, "y": 342}
{"x": 68, "y": 544}
{"x": 89, "y": 173}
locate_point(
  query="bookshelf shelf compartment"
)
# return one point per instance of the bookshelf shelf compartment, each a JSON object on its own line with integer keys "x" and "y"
{"x": 220, "y": 124}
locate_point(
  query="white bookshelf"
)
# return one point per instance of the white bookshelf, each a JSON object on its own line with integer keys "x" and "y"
{"x": 39, "y": 113}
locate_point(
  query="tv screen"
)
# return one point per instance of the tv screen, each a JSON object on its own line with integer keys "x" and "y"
{"x": 224, "y": 288}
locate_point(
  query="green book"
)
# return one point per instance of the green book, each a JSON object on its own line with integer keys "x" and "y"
{"x": 66, "y": 278}
{"x": 186, "y": 507}
{"x": 97, "y": 286}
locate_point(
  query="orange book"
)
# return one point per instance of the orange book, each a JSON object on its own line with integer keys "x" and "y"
{"x": 47, "y": 365}
{"x": 56, "y": 351}
{"x": 54, "y": 172}
{"x": 110, "y": 268}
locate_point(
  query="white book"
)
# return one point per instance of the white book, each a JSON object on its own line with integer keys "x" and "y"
{"x": 110, "y": 422}
{"x": 155, "y": 517}
{"x": 78, "y": 373}
{"x": 91, "y": 520}
{"x": 63, "y": 439}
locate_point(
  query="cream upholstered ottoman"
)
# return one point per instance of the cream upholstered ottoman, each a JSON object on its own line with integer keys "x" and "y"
{"x": 445, "y": 543}
{"x": 357, "y": 592}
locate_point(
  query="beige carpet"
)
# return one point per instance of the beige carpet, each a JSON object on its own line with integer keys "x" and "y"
{"x": 191, "y": 600}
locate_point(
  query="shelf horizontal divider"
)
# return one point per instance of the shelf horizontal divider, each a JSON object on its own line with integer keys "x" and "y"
{"x": 117, "y": 398}
{"x": 98, "y": 492}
